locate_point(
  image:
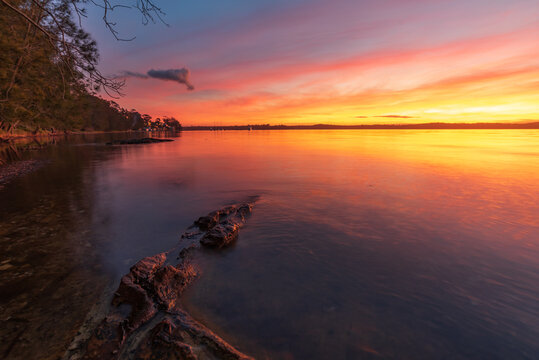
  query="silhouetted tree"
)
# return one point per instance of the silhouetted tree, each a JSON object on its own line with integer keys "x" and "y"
{"x": 147, "y": 120}
{"x": 171, "y": 123}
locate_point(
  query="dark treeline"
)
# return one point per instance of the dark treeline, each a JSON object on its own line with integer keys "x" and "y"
{"x": 48, "y": 80}
{"x": 164, "y": 124}
{"x": 529, "y": 125}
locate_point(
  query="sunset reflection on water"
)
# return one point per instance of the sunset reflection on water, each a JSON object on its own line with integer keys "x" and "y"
{"x": 364, "y": 243}
{"x": 390, "y": 243}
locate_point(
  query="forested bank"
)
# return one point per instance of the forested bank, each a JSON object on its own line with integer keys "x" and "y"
{"x": 48, "y": 76}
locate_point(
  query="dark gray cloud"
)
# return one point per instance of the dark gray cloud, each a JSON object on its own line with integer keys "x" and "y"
{"x": 178, "y": 75}
{"x": 396, "y": 116}
{"x": 125, "y": 74}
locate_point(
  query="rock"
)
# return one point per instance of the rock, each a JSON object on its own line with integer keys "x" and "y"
{"x": 6, "y": 266}
{"x": 215, "y": 217}
{"x": 222, "y": 227}
{"x": 146, "y": 308}
{"x": 142, "y": 305}
{"x": 163, "y": 344}
{"x": 221, "y": 235}
{"x": 144, "y": 270}
{"x": 169, "y": 283}
{"x": 208, "y": 221}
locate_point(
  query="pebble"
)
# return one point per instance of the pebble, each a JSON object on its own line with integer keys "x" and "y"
{"x": 5, "y": 267}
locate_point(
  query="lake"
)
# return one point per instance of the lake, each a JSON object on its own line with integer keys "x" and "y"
{"x": 364, "y": 244}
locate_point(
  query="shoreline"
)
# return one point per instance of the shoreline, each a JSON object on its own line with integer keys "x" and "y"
{"x": 14, "y": 165}
{"x": 7, "y": 137}
{"x": 4, "y": 137}
{"x": 155, "y": 322}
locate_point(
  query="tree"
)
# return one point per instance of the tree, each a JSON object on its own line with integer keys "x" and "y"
{"x": 35, "y": 85}
{"x": 157, "y": 124}
{"x": 171, "y": 123}
{"x": 72, "y": 46}
{"x": 48, "y": 63}
{"x": 146, "y": 120}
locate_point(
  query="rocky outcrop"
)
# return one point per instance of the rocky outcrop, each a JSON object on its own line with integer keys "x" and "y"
{"x": 223, "y": 226}
{"x": 146, "y": 319}
{"x": 138, "y": 141}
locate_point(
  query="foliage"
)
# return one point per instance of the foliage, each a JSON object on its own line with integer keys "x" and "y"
{"x": 48, "y": 71}
{"x": 102, "y": 115}
{"x": 167, "y": 123}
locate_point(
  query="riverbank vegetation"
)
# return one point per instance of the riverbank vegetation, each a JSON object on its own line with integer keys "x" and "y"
{"x": 49, "y": 81}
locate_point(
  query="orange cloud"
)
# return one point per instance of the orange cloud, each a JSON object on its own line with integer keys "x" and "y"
{"x": 491, "y": 78}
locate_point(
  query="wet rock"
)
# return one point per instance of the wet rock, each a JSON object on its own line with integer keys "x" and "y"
{"x": 132, "y": 290}
{"x": 208, "y": 221}
{"x": 169, "y": 283}
{"x": 221, "y": 235}
{"x": 138, "y": 141}
{"x": 224, "y": 225}
{"x": 142, "y": 306}
{"x": 164, "y": 344}
{"x": 146, "y": 319}
{"x": 144, "y": 270}
{"x": 6, "y": 266}
{"x": 244, "y": 210}
{"x": 106, "y": 339}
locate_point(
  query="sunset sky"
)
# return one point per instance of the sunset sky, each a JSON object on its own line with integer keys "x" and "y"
{"x": 334, "y": 62}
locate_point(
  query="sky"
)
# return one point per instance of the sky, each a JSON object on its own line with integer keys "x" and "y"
{"x": 330, "y": 61}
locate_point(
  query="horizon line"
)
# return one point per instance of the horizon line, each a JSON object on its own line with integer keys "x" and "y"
{"x": 431, "y": 125}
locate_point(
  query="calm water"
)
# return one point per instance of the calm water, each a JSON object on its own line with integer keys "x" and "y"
{"x": 365, "y": 244}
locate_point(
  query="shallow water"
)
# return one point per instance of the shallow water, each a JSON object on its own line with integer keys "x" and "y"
{"x": 365, "y": 243}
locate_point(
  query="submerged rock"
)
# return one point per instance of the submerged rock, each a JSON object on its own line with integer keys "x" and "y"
{"x": 138, "y": 141}
{"x": 146, "y": 319}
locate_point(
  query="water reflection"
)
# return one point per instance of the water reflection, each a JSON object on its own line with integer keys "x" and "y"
{"x": 51, "y": 257}
{"x": 49, "y": 276}
{"x": 399, "y": 244}
{"x": 384, "y": 244}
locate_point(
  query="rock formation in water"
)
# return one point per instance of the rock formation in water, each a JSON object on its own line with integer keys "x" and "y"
{"x": 138, "y": 141}
{"x": 146, "y": 319}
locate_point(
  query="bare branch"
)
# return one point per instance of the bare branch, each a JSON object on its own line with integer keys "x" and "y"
{"x": 75, "y": 51}
{"x": 79, "y": 11}
{"x": 147, "y": 8}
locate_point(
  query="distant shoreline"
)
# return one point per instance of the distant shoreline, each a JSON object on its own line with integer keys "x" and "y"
{"x": 426, "y": 126}
{"x": 6, "y": 137}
